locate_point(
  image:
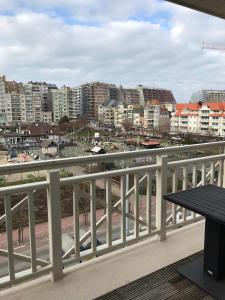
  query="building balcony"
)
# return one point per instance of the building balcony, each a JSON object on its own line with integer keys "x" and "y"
{"x": 202, "y": 125}
{"x": 130, "y": 229}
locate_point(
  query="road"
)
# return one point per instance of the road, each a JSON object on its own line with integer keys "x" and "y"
{"x": 43, "y": 252}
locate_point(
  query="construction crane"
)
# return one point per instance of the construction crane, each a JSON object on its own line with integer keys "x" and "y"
{"x": 210, "y": 46}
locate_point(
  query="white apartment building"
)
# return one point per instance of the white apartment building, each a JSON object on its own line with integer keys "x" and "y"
{"x": 156, "y": 117}
{"x": 128, "y": 113}
{"x": 75, "y": 103}
{"x": 60, "y": 103}
{"x": 66, "y": 102}
{"x": 13, "y": 108}
{"x": 24, "y": 102}
{"x": 123, "y": 113}
{"x": 138, "y": 119}
{"x": 2, "y": 101}
{"x": 199, "y": 118}
{"x": 106, "y": 115}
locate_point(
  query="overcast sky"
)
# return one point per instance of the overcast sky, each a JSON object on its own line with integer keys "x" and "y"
{"x": 128, "y": 42}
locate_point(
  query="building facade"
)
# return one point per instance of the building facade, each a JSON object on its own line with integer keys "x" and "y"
{"x": 23, "y": 103}
{"x": 132, "y": 114}
{"x": 35, "y": 102}
{"x": 96, "y": 94}
{"x": 157, "y": 117}
{"x": 106, "y": 115}
{"x": 208, "y": 96}
{"x": 163, "y": 95}
{"x": 199, "y": 118}
{"x": 129, "y": 96}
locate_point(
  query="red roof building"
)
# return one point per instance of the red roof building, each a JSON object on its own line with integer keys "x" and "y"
{"x": 199, "y": 118}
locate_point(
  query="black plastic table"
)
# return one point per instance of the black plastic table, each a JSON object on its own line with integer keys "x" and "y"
{"x": 207, "y": 271}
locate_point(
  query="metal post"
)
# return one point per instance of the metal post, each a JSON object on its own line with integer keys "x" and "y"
{"x": 54, "y": 224}
{"x": 161, "y": 190}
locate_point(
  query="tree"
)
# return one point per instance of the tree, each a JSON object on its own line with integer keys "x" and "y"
{"x": 127, "y": 125}
{"x": 81, "y": 122}
{"x": 64, "y": 119}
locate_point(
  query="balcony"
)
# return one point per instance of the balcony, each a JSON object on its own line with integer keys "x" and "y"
{"x": 138, "y": 231}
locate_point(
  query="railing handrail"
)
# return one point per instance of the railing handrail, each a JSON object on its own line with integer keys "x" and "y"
{"x": 196, "y": 160}
{"x": 19, "y": 188}
{"x": 106, "y": 174}
{"x": 68, "y": 162}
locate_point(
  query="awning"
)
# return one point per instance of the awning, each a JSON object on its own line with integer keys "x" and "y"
{"x": 212, "y": 7}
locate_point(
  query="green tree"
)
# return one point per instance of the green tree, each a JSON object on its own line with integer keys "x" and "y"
{"x": 64, "y": 119}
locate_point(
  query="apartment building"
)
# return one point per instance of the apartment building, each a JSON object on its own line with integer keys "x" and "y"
{"x": 66, "y": 102}
{"x": 199, "y": 118}
{"x": 128, "y": 113}
{"x": 75, "y": 103}
{"x": 157, "y": 117}
{"x": 46, "y": 117}
{"x": 163, "y": 95}
{"x": 2, "y": 101}
{"x": 129, "y": 96}
{"x": 208, "y": 96}
{"x": 106, "y": 115}
{"x": 96, "y": 94}
{"x": 60, "y": 102}
{"x": 23, "y": 102}
{"x": 13, "y": 109}
{"x": 138, "y": 116}
{"x": 10, "y": 105}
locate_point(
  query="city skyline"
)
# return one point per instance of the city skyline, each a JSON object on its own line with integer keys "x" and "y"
{"x": 153, "y": 43}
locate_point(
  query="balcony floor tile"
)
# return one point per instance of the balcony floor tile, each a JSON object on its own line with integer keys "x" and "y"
{"x": 162, "y": 284}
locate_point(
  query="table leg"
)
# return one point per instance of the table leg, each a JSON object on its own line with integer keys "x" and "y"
{"x": 214, "y": 250}
{"x": 208, "y": 271}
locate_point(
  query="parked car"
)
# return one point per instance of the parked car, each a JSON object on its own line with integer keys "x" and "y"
{"x": 68, "y": 242}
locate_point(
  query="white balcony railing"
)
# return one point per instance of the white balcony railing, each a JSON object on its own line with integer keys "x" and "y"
{"x": 137, "y": 213}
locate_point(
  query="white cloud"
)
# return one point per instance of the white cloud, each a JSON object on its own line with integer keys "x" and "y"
{"x": 88, "y": 9}
{"x": 42, "y": 46}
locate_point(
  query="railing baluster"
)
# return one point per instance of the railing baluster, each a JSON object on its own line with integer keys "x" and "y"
{"x": 204, "y": 174}
{"x": 194, "y": 183}
{"x": 136, "y": 205}
{"x": 123, "y": 208}
{"x": 31, "y": 218}
{"x": 76, "y": 221}
{"x": 194, "y": 176}
{"x": 161, "y": 190}
{"x": 7, "y": 203}
{"x": 220, "y": 173}
{"x": 149, "y": 202}
{"x": 109, "y": 212}
{"x": 184, "y": 187}
{"x": 174, "y": 190}
{"x": 212, "y": 171}
{"x": 54, "y": 224}
{"x": 93, "y": 215}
